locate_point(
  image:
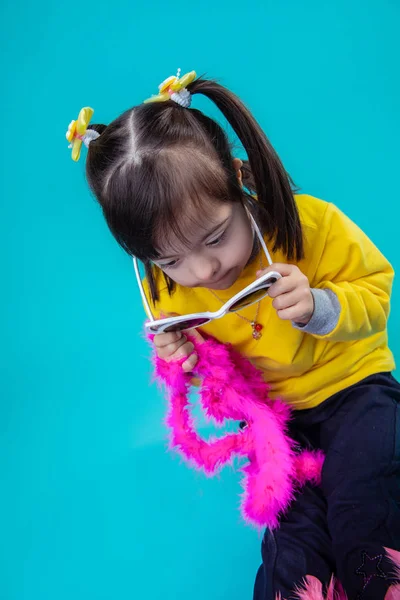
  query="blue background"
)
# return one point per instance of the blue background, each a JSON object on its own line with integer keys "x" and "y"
{"x": 91, "y": 505}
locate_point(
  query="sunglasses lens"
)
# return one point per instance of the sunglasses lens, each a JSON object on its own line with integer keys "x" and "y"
{"x": 248, "y": 300}
{"x": 188, "y": 324}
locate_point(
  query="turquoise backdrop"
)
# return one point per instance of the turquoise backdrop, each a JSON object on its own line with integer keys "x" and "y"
{"x": 91, "y": 505}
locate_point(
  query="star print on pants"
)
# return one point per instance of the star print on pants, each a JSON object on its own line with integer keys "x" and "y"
{"x": 370, "y": 568}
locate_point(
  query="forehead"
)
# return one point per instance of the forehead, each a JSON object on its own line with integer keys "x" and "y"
{"x": 191, "y": 224}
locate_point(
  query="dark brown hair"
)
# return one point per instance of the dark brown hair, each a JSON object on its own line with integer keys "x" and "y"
{"x": 151, "y": 164}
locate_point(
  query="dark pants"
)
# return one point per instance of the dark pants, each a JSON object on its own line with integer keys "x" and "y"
{"x": 343, "y": 526}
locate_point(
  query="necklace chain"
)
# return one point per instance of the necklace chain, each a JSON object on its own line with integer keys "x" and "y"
{"x": 255, "y": 326}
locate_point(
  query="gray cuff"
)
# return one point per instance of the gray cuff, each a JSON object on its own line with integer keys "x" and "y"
{"x": 326, "y": 313}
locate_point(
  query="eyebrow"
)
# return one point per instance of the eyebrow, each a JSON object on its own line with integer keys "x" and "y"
{"x": 203, "y": 239}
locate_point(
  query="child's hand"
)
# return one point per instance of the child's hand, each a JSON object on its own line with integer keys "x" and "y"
{"x": 292, "y": 297}
{"x": 175, "y": 345}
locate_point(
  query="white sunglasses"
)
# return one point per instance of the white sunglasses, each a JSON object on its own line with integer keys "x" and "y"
{"x": 256, "y": 291}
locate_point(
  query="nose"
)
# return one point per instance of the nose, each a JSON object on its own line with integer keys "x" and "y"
{"x": 205, "y": 269}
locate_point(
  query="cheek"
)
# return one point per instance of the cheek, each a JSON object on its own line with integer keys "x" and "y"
{"x": 180, "y": 276}
{"x": 174, "y": 275}
{"x": 237, "y": 253}
{"x": 242, "y": 245}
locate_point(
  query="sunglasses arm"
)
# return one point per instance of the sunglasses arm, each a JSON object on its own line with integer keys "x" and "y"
{"x": 140, "y": 285}
{"x": 259, "y": 236}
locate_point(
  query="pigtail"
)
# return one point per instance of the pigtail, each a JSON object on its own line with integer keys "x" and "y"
{"x": 265, "y": 174}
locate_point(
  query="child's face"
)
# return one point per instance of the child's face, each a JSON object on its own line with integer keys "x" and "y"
{"x": 219, "y": 249}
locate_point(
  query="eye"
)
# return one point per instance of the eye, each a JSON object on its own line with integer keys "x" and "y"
{"x": 169, "y": 265}
{"x": 217, "y": 240}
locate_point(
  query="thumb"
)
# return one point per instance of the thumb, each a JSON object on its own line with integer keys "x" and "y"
{"x": 195, "y": 336}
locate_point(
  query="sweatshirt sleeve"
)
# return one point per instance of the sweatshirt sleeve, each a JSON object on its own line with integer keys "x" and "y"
{"x": 352, "y": 283}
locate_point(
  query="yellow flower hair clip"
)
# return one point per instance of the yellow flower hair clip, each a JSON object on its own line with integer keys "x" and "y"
{"x": 78, "y": 132}
{"x": 174, "y": 88}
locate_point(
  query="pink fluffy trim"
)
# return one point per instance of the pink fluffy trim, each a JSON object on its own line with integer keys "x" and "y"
{"x": 232, "y": 388}
{"x": 312, "y": 588}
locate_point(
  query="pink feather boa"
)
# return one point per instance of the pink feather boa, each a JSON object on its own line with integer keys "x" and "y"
{"x": 232, "y": 388}
{"x": 312, "y": 588}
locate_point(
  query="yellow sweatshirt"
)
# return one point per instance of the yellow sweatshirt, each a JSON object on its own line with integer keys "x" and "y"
{"x": 305, "y": 366}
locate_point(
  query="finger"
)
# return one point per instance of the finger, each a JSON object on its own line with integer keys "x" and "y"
{"x": 190, "y": 363}
{"x": 182, "y": 352}
{"x": 172, "y": 349}
{"x": 294, "y": 313}
{"x": 164, "y": 339}
{"x": 282, "y": 286}
{"x": 185, "y": 350}
{"x": 282, "y": 268}
{"x": 195, "y": 335}
{"x": 284, "y": 301}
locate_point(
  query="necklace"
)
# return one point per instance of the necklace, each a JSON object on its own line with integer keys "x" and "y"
{"x": 255, "y": 325}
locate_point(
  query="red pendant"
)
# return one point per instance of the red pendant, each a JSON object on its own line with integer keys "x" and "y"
{"x": 257, "y": 327}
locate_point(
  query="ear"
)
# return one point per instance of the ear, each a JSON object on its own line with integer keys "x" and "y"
{"x": 237, "y": 165}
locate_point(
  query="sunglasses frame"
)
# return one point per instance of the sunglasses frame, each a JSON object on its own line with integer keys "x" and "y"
{"x": 160, "y": 325}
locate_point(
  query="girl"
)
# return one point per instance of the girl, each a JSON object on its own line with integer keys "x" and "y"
{"x": 174, "y": 196}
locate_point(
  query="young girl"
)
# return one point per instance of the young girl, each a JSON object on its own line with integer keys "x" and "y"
{"x": 175, "y": 197}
